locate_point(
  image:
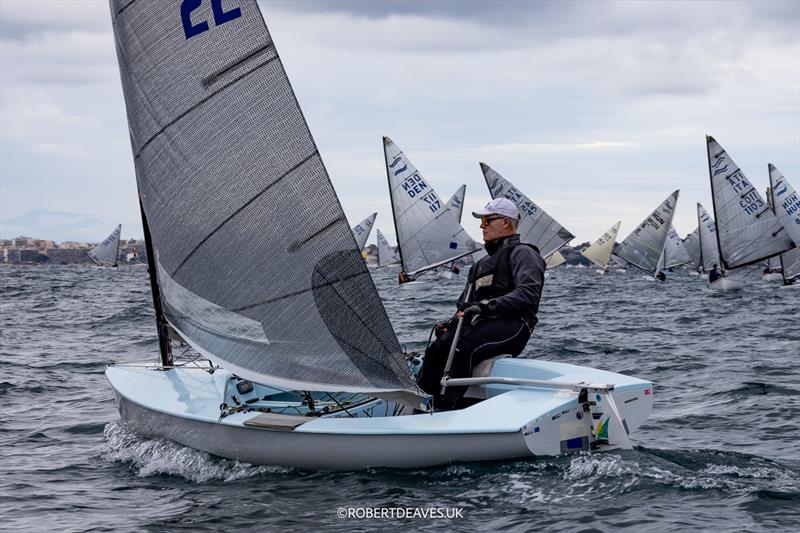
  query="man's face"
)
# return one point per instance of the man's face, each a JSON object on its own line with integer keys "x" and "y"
{"x": 495, "y": 227}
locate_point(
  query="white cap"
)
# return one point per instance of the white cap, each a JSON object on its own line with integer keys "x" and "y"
{"x": 499, "y": 206}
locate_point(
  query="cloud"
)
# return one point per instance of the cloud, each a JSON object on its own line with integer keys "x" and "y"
{"x": 539, "y": 148}
{"x": 55, "y": 225}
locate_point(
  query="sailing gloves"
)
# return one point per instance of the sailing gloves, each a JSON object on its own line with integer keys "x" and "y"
{"x": 484, "y": 307}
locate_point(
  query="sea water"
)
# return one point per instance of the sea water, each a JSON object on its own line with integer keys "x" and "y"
{"x": 721, "y": 450}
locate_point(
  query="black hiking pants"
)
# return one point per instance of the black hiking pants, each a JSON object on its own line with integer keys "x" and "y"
{"x": 486, "y": 339}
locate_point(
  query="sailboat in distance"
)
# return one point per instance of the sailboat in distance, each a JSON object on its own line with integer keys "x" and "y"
{"x": 599, "y": 251}
{"x": 644, "y": 247}
{"x": 362, "y": 230}
{"x": 386, "y": 254}
{"x": 107, "y": 252}
{"x": 535, "y": 227}
{"x": 675, "y": 254}
{"x": 428, "y": 233}
{"x": 786, "y": 206}
{"x": 692, "y": 244}
{"x": 307, "y": 370}
{"x": 456, "y": 202}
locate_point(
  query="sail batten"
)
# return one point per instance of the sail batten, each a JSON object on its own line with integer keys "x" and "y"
{"x": 257, "y": 266}
{"x": 535, "y": 226}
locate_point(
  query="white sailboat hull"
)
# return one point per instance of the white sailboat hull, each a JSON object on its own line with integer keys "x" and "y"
{"x": 416, "y": 286}
{"x": 446, "y": 275}
{"x": 726, "y": 285}
{"x": 182, "y": 405}
{"x": 772, "y": 276}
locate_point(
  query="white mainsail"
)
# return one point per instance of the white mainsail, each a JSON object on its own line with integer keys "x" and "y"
{"x": 709, "y": 249}
{"x": 747, "y": 230}
{"x": 675, "y": 254}
{"x": 600, "y": 250}
{"x": 220, "y": 146}
{"x": 362, "y": 229}
{"x": 644, "y": 247}
{"x": 428, "y": 233}
{"x": 786, "y": 205}
{"x": 386, "y": 254}
{"x": 107, "y": 252}
{"x": 554, "y": 259}
{"x": 692, "y": 244}
{"x": 456, "y": 202}
{"x": 535, "y": 226}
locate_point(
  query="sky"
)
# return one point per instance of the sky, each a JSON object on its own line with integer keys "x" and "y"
{"x": 596, "y": 110}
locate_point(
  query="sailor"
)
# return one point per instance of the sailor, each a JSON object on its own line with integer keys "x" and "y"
{"x": 661, "y": 276}
{"x": 714, "y": 274}
{"x": 499, "y": 305}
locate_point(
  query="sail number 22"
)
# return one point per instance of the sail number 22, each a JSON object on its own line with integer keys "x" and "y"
{"x": 220, "y": 16}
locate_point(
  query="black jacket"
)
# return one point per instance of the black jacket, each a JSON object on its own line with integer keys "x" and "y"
{"x": 520, "y": 278}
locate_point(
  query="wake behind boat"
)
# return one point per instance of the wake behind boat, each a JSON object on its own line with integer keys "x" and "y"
{"x": 306, "y": 369}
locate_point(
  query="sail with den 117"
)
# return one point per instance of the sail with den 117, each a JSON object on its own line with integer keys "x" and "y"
{"x": 221, "y": 147}
{"x": 428, "y": 233}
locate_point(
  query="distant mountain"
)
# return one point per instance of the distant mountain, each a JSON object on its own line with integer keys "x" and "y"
{"x": 58, "y": 226}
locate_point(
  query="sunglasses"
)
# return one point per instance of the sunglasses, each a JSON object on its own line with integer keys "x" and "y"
{"x": 485, "y": 221}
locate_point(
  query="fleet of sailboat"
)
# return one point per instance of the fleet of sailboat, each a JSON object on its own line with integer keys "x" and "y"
{"x": 305, "y": 368}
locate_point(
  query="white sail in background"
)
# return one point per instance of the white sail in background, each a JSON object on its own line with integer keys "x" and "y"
{"x": 107, "y": 252}
{"x": 747, "y": 230}
{"x": 428, "y": 233}
{"x": 555, "y": 259}
{"x": 386, "y": 254}
{"x": 675, "y": 254}
{"x": 709, "y": 249}
{"x": 535, "y": 227}
{"x": 692, "y": 245}
{"x": 644, "y": 247}
{"x": 362, "y": 229}
{"x": 456, "y": 202}
{"x": 221, "y": 146}
{"x": 600, "y": 251}
{"x": 787, "y": 208}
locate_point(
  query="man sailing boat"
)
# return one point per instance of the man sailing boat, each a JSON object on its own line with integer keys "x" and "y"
{"x": 499, "y": 305}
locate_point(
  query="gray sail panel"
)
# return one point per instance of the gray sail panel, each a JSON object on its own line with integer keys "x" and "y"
{"x": 747, "y": 229}
{"x": 675, "y": 254}
{"x": 644, "y": 247}
{"x": 221, "y": 147}
{"x": 456, "y": 202}
{"x": 427, "y": 231}
{"x": 692, "y": 244}
{"x": 786, "y": 205}
{"x": 362, "y": 229}
{"x": 709, "y": 248}
{"x": 600, "y": 251}
{"x": 535, "y": 226}
{"x": 386, "y": 254}
{"x": 106, "y": 253}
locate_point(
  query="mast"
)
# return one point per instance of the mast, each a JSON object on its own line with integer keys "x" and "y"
{"x": 119, "y": 241}
{"x": 709, "y": 138}
{"x": 391, "y": 200}
{"x": 164, "y": 346}
{"x": 700, "y": 239}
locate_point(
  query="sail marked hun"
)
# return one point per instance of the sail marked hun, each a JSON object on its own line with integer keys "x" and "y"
{"x": 644, "y": 247}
